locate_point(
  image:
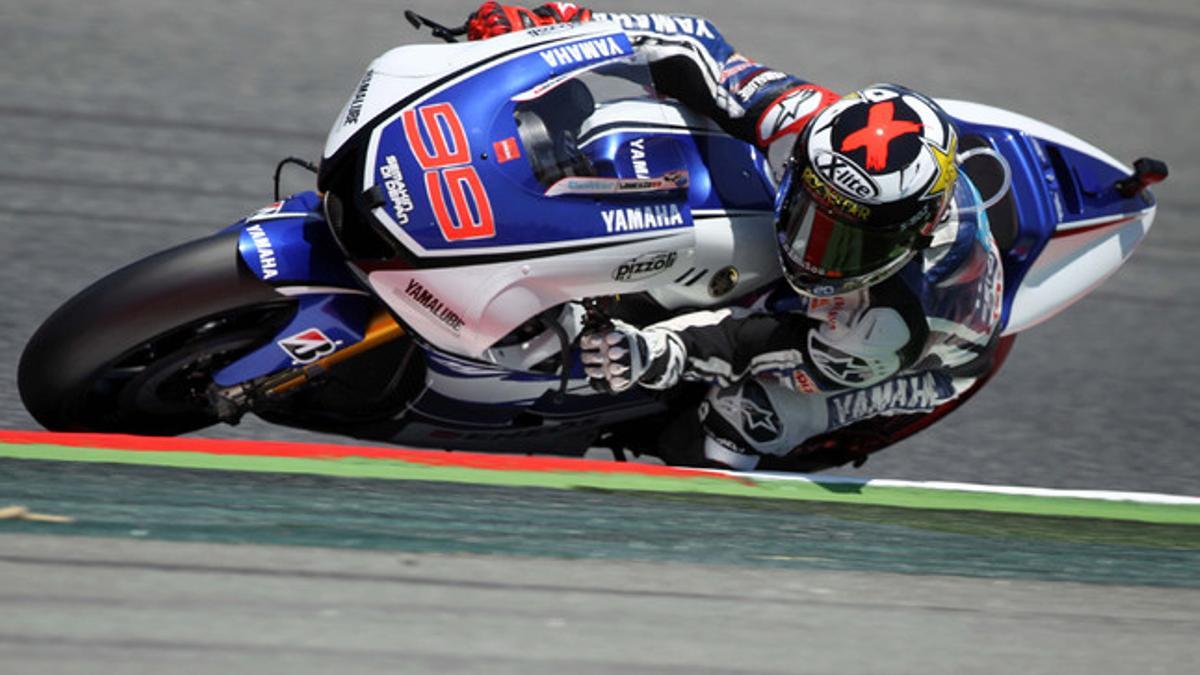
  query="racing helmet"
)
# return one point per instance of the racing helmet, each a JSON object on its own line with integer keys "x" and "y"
{"x": 868, "y": 180}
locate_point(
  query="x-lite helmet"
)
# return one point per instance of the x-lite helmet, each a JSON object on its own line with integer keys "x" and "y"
{"x": 868, "y": 180}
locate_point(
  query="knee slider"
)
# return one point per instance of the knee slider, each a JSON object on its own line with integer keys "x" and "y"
{"x": 744, "y": 419}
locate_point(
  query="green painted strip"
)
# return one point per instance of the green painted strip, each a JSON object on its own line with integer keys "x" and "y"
{"x": 902, "y": 497}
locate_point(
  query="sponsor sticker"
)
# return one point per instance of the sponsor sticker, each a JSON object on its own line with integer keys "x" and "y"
{"x": 584, "y": 52}
{"x": 308, "y": 346}
{"x": 803, "y": 382}
{"x": 833, "y": 198}
{"x": 637, "y": 219}
{"x": 266, "y": 252}
{"x": 749, "y": 89}
{"x": 916, "y": 393}
{"x": 838, "y": 366}
{"x": 553, "y": 28}
{"x": 846, "y": 176}
{"x": 354, "y": 110}
{"x": 788, "y": 113}
{"x": 397, "y": 190}
{"x": 416, "y": 293}
{"x": 659, "y": 23}
{"x": 267, "y": 211}
{"x": 637, "y": 157}
{"x": 645, "y": 266}
{"x": 672, "y": 180}
{"x": 506, "y": 150}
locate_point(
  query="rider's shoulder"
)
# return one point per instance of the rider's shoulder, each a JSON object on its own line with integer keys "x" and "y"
{"x": 960, "y": 241}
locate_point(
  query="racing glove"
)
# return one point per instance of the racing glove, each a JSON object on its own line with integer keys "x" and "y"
{"x": 618, "y": 356}
{"x": 492, "y": 18}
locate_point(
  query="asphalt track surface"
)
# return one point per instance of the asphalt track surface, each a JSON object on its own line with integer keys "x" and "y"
{"x": 119, "y": 606}
{"x": 131, "y": 125}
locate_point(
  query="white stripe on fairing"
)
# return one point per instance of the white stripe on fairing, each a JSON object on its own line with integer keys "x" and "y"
{"x": 986, "y": 114}
{"x": 699, "y": 213}
{"x": 655, "y": 128}
{"x": 1099, "y": 495}
{"x": 292, "y": 291}
{"x": 276, "y": 216}
{"x": 1068, "y": 225}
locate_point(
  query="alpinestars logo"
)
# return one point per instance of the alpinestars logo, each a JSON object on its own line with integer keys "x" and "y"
{"x": 838, "y": 366}
{"x": 758, "y": 421}
{"x": 788, "y": 114}
{"x": 308, "y": 346}
{"x": 750, "y": 410}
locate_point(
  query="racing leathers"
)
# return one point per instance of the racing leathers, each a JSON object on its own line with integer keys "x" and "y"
{"x": 783, "y": 367}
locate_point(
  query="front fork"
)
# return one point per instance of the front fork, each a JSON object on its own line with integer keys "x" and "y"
{"x": 232, "y": 403}
{"x": 289, "y": 246}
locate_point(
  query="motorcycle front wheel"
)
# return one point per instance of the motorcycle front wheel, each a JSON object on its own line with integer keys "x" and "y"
{"x": 136, "y": 351}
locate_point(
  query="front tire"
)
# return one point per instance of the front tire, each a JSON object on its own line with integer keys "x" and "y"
{"x": 135, "y": 352}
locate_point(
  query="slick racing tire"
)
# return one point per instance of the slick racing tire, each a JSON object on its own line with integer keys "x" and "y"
{"x": 135, "y": 352}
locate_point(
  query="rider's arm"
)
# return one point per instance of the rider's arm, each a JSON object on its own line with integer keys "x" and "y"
{"x": 850, "y": 350}
{"x": 692, "y": 62}
{"x": 847, "y": 343}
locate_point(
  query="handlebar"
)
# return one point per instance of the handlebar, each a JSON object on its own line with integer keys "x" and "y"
{"x": 438, "y": 30}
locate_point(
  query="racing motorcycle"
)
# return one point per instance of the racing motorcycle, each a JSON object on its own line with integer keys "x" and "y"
{"x": 478, "y": 205}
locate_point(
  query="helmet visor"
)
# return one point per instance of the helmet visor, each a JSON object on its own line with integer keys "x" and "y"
{"x": 825, "y": 255}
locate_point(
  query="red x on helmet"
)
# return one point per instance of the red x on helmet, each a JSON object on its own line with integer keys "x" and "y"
{"x": 868, "y": 180}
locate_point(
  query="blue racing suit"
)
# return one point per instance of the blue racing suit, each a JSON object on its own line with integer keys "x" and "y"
{"x": 786, "y": 368}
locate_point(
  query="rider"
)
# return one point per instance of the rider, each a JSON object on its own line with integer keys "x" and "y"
{"x": 893, "y": 289}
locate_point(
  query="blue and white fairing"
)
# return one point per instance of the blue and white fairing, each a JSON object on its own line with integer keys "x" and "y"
{"x": 1064, "y": 227}
{"x": 288, "y": 245}
{"x": 489, "y": 242}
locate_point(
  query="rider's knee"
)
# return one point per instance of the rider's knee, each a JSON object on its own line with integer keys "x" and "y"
{"x": 754, "y": 418}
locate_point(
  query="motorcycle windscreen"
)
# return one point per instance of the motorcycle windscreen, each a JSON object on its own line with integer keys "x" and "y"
{"x": 583, "y": 133}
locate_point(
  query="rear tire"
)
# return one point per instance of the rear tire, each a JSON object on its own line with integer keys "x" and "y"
{"x": 135, "y": 352}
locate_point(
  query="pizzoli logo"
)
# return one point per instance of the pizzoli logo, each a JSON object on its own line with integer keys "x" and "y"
{"x": 644, "y": 267}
